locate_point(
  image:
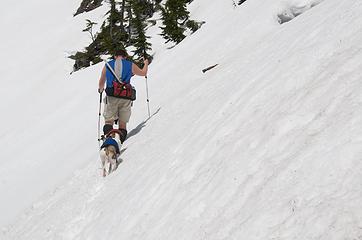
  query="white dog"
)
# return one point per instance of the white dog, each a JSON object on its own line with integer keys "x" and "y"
{"x": 110, "y": 152}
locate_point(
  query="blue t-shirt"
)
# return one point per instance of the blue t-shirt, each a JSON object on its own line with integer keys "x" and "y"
{"x": 125, "y": 75}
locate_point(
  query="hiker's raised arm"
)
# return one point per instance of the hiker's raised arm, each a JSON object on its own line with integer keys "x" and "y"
{"x": 102, "y": 80}
{"x": 138, "y": 71}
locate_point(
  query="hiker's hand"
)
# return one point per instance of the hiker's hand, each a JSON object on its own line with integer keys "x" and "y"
{"x": 145, "y": 61}
{"x": 100, "y": 90}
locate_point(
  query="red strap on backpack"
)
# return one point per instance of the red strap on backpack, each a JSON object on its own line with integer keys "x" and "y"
{"x": 114, "y": 131}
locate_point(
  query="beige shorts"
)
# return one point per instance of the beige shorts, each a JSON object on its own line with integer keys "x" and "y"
{"x": 117, "y": 108}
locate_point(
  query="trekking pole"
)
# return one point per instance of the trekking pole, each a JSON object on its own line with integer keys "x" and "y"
{"x": 99, "y": 116}
{"x": 148, "y": 99}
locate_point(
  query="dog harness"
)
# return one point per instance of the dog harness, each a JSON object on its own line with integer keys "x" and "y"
{"x": 110, "y": 141}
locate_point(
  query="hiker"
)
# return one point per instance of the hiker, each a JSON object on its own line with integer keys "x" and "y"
{"x": 118, "y": 101}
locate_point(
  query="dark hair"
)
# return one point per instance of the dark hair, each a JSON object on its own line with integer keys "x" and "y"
{"x": 120, "y": 52}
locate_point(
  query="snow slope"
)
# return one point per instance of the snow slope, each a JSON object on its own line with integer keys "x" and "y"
{"x": 43, "y": 115}
{"x": 267, "y": 145}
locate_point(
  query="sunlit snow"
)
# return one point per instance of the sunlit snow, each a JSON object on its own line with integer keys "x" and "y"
{"x": 266, "y": 145}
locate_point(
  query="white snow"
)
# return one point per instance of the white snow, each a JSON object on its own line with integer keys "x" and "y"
{"x": 267, "y": 145}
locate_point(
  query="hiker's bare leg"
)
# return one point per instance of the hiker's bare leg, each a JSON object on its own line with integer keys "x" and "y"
{"x": 110, "y": 122}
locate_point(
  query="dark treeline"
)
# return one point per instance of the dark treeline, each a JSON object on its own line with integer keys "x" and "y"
{"x": 125, "y": 26}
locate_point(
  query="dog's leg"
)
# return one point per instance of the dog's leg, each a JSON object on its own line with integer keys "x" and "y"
{"x": 112, "y": 158}
{"x": 103, "y": 157}
{"x": 110, "y": 167}
{"x": 114, "y": 163}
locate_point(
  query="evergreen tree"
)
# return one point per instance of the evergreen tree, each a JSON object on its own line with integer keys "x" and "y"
{"x": 141, "y": 11}
{"x": 125, "y": 26}
{"x": 111, "y": 37}
{"x": 175, "y": 18}
{"x": 115, "y": 25}
{"x": 89, "y": 28}
{"x": 88, "y": 5}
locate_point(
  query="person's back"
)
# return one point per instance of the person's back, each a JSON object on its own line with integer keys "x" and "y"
{"x": 125, "y": 72}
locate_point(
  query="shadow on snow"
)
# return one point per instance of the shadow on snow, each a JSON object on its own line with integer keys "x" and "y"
{"x": 140, "y": 126}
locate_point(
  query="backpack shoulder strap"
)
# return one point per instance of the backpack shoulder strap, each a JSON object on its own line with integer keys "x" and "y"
{"x": 117, "y": 69}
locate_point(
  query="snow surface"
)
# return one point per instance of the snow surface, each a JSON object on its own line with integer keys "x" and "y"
{"x": 267, "y": 145}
